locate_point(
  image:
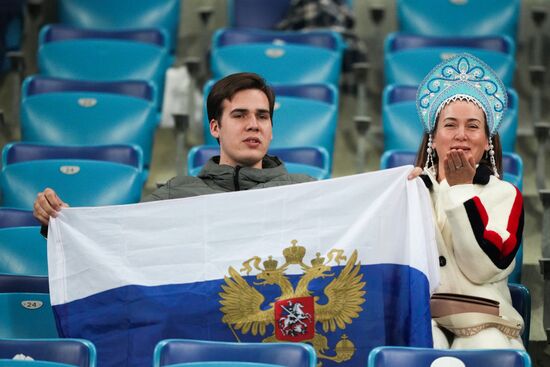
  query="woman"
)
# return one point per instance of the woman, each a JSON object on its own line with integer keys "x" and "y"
{"x": 479, "y": 217}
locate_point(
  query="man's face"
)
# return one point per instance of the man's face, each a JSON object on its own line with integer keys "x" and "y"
{"x": 245, "y": 131}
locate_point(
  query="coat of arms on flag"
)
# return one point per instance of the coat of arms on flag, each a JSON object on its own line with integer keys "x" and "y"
{"x": 296, "y": 310}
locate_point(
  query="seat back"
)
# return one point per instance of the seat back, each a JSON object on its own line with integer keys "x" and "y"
{"x": 279, "y": 57}
{"x": 122, "y": 14}
{"x": 408, "y": 59}
{"x": 451, "y": 18}
{"x": 312, "y": 161}
{"x": 78, "y": 182}
{"x": 25, "y": 363}
{"x": 58, "y": 32}
{"x": 224, "y": 364}
{"x": 257, "y": 14}
{"x": 73, "y": 352}
{"x": 75, "y": 53}
{"x": 521, "y": 300}
{"x": 405, "y": 41}
{"x": 38, "y": 84}
{"x": 10, "y": 217}
{"x": 85, "y": 117}
{"x": 425, "y": 357}
{"x": 23, "y": 258}
{"x": 11, "y": 283}
{"x": 23, "y": 251}
{"x": 403, "y": 129}
{"x": 26, "y": 315}
{"x": 304, "y": 115}
{"x": 513, "y": 169}
{"x": 172, "y": 351}
{"x": 316, "y": 38}
{"x": 131, "y": 155}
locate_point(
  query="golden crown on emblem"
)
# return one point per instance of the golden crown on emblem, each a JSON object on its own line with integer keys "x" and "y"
{"x": 270, "y": 264}
{"x": 294, "y": 254}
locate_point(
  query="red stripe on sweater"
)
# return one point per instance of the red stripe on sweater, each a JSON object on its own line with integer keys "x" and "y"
{"x": 505, "y": 247}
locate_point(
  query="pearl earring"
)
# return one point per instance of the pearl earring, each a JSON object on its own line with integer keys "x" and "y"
{"x": 430, "y": 151}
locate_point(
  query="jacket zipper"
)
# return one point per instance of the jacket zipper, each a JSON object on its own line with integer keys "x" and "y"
{"x": 236, "y": 178}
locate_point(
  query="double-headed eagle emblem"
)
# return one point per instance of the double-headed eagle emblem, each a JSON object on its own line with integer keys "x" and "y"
{"x": 296, "y": 312}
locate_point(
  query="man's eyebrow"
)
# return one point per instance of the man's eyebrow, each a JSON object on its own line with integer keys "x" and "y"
{"x": 239, "y": 110}
{"x": 246, "y": 110}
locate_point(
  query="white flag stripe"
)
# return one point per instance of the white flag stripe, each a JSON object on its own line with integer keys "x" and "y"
{"x": 199, "y": 238}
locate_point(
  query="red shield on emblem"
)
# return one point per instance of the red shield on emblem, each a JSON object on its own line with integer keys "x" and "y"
{"x": 295, "y": 319}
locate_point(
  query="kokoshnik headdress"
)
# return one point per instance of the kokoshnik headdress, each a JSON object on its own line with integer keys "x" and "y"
{"x": 466, "y": 78}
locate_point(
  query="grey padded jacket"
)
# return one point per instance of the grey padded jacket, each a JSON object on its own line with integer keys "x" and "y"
{"x": 216, "y": 178}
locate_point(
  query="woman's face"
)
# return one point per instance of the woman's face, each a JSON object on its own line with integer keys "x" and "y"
{"x": 461, "y": 125}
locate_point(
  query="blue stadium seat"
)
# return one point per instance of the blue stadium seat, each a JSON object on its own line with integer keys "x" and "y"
{"x": 318, "y": 92}
{"x": 305, "y": 115}
{"x": 22, "y": 152}
{"x": 23, "y": 260}
{"x": 513, "y": 173}
{"x": 458, "y": 17}
{"x": 26, "y": 315}
{"x": 89, "y": 54}
{"x": 312, "y": 161}
{"x": 72, "y": 352}
{"x": 23, "y": 251}
{"x": 403, "y": 129}
{"x": 521, "y": 300}
{"x": 257, "y": 14}
{"x": 59, "y": 33}
{"x": 171, "y": 351}
{"x": 10, "y": 283}
{"x": 224, "y": 364}
{"x": 408, "y": 58}
{"x": 38, "y": 84}
{"x": 10, "y": 217}
{"x": 90, "y": 113}
{"x": 17, "y": 363}
{"x": 78, "y": 182}
{"x": 513, "y": 169}
{"x": 404, "y": 41}
{"x": 424, "y": 357}
{"x": 122, "y": 14}
{"x": 319, "y": 38}
{"x": 280, "y": 57}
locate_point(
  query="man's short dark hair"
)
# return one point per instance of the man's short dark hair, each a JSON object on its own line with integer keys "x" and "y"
{"x": 227, "y": 87}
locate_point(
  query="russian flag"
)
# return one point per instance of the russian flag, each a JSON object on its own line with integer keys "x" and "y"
{"x": 345, "y": 265}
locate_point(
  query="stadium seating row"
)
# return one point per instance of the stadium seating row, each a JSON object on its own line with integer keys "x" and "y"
{"x": 195, "y": 353}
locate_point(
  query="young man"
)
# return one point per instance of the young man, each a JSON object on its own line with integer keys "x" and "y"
{"x": 240, "y": 110}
